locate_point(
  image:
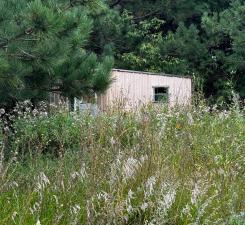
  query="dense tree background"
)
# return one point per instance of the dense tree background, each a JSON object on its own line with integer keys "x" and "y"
{"x": 67, "y": 45}
{"x": 204, "y": 39}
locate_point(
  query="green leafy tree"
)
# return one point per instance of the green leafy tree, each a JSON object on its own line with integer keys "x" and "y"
{"x": 203, "y": 39}
{"x": 225, "y": 40}
{"x": 43, "y": 49}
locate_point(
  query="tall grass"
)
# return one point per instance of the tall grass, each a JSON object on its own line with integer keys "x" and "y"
{"x": 153, "y": 166}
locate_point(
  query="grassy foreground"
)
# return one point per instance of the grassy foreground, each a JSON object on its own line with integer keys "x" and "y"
{"x": 184, "y": 166}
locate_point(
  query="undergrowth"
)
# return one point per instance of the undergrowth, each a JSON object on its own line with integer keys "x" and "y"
{"x": 152, "y": 166}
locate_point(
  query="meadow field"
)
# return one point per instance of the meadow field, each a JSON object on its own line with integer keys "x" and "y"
{"x": 152, "y": 166}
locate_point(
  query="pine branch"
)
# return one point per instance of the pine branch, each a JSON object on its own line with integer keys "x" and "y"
{"x": 6, "y": 42}
{"x": 29, "y": 39}
{"x": 27, "y": 54}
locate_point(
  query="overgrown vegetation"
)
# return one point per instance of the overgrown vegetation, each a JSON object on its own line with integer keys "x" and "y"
{"x": 153, "y": 166}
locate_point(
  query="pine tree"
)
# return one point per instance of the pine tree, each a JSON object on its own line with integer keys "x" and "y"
{"x": 43, "y": 49}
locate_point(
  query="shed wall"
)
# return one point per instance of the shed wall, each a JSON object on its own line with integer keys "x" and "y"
{"x": 137, "y": 88}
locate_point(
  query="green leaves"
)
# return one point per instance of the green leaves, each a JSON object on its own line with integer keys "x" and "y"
{"x": 42, "y": 19}
{"x": 201, "y": 39}
{"x": 102, "y": 75}
{"x": 44, "y": 45}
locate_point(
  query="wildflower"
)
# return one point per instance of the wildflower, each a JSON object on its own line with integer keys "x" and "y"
{"x": 38, "y": 222}
{"x": 103, "y": 195}
{"x": 190, "y": 118}
{"x": 75, "y": 209}
{"x": 14, "y": 184}
{"x": 223, "y": 115}
{"x": 186, "y": 210}
{"x": 83, "y": 173}
{"x": 143, "y": 158}
{"x": 178, "y": 126}
{"x": 195, "y": 194}
{"x": 169, "y": 198}
{"x": 150, "y": 183}
{"x": 2, "y": 111}
{"x": 112, "y": 141}
{"x": 74, "y": 175}
{"x": 130, "y": 167}
{"x": 144, "y": 206}
{"x": 221, "y": 171}
{"x": 56, "y": 199}
{"x": 35, "y": 208}
{"x": 34, "y": 112}
{"x": 130, "y": 194}
{"x": 164, "y": 202}
{"x": 6, "y": 129}
{"x": 14, "y": 215}
{"x": 43, "y": 181}
{"x": 129, "y": 208}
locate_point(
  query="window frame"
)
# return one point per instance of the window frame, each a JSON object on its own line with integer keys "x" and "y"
{"x": 154, "y": 94}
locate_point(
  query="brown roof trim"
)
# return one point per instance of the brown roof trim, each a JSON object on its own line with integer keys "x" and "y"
{"x": 150, "y": 73}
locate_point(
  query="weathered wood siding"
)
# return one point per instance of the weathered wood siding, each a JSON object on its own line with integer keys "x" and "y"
{"x": 136, "y": 88}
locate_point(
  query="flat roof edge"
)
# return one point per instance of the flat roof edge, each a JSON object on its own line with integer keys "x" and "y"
{"x": 151, "y": 73}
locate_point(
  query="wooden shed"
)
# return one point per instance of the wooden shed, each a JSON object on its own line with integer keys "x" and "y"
{"x": 135, "y": 88}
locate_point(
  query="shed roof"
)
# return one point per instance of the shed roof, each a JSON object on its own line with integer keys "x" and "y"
{"x": 151, "y": 73}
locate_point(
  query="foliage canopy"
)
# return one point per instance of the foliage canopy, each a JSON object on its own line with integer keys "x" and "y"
{"x": 204, "y": 39}
{"x": 50, "y": 45}
{"x": 43, "y": 49}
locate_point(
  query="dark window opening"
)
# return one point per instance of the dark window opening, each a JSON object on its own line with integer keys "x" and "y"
{"x": 161, "y": 94}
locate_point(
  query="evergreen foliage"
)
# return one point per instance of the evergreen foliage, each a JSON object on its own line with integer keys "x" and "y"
{"x": 204, "y": 39}
{"x": 43, "y": 49}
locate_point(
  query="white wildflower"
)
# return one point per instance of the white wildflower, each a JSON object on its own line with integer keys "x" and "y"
{"x": 2, "y": 111}
{"x": 42, "y": 181}
{"x": 143, "y": 158}
{"x": 75, "y": 209}
{"x": 195, "y": 194}
{"x": 223, "y": 115}
{"x": 6, "y": 129}
{"x": 83, "y": 173}
{"x": 74, "y": 175}
{"x": 190, "y": 118}
{"x": 38, "y": 222}
{"x": 112, "y": 141}
{"x": 14, "y": 184}
{"x": 130, "y": 167}
{"x": 56, "y": 199}
{"x": 35, "y": 208}
{"x": 186, "y": 210}
{"x": 164, "y": 202}
{"x": 169, "y": 198}
{"x": 144, "y": 206}
{"x": 129, "y": 208}
{"x": 103, "y": 196}
{"x": 34, "y": 112}
{"x": 150, "y": 183}
{"x": 221, "y": 171}
{"x": 14, "y": 215}
{"x": 130, "y": 194}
